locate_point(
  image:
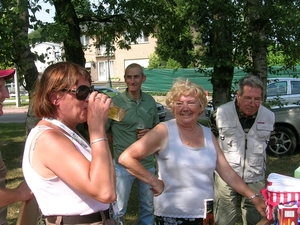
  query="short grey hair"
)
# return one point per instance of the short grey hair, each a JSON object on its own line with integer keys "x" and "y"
{"x": 252, "y": 81}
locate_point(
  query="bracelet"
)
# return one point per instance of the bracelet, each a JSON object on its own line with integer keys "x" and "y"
{"x": 151, "y": 178}
{"x": 99, "y": 139}
{"x": 253, "y": 197}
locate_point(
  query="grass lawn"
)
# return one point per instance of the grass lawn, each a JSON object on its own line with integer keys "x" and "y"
{"x": 12, "y": 144}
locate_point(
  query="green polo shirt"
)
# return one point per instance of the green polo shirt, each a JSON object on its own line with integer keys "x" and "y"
{"x": 124, "y": 132}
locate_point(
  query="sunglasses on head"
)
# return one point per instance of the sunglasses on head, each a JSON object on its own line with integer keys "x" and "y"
{"x": 82, "y": 92}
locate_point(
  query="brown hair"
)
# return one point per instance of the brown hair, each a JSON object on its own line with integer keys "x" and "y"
{"x": 56, "y": 77}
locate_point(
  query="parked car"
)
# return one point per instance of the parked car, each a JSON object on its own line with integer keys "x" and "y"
{"x": 106, "y": 90}
{"x": 287, "y": 128}
{"x": 280, "y": 91}
{"x": 162, "y": 113}
{"x": 285, "y": 90}
{"x": 209, "y": 109}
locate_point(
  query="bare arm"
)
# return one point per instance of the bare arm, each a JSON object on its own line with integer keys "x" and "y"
{"x": 20, "y": 193}
{"x": 154, "y": 141}
{"x": 235, "y": 181}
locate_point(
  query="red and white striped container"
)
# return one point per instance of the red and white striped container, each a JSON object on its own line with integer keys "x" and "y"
{"x": 280, "y": 189}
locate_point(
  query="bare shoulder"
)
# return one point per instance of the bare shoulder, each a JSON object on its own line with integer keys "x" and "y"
{"x": 160, "y": 137}
{"x": 53, "y": 140}
{"x": 160, "y": 128}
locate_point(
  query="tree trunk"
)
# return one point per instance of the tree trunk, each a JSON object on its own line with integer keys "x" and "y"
{"x": 257, "y": 25}
{"x": 223, "y": 72}
{"x": 67, "y": 17}
{"x": 24, "y": 59}
{"x": 222, "y": 80}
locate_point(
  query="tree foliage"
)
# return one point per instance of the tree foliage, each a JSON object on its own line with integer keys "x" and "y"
{"x": 15, "y": 49}
{"x": 109, "y": 22}
{"x": 176, "y": 45}
{"x": 228, "y": 34}
{"x": 156, "y": 62}
{"x": 216, "y": 34}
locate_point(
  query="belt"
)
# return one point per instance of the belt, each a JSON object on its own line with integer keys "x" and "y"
{"x": 91, "y": 218}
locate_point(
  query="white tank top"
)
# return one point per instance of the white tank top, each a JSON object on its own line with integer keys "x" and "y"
{"x": 54, "y": 197}
{"x": 187, "y": 174}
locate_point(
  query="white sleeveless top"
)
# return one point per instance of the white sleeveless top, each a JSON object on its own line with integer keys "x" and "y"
{"x": 54, "y": 197}
{"x": 187, "y": 174}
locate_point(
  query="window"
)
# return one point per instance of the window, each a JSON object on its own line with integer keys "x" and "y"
{"x": 277, "y": 88}
{"x": 141, "y": 39}
{"x": 102, "y": 51}
{"x": 57, "y": 56}
{"x": 85, "y": 40}
{"x": 295, "y": 87}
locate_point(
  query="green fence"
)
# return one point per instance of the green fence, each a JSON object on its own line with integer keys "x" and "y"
{"x": 161, "y": 80}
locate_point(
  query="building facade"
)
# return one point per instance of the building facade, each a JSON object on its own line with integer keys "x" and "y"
{"x": 51, "y": 51}
{"x": 105, "y": 67}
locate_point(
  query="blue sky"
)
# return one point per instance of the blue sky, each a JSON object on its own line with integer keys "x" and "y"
{"x": 43, "y": 15}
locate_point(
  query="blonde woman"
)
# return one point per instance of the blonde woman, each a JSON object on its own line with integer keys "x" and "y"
{"x": 187, "y": 154}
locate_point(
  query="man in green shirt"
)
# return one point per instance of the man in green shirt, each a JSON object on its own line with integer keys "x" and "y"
{"x": 141, "y": 113}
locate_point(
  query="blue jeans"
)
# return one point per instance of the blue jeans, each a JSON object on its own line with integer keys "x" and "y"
{"x": 145, "y": 195}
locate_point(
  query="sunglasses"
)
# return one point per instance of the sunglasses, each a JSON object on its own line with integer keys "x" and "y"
{"x": 82, "y": 92}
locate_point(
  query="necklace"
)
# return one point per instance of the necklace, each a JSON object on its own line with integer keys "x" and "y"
{"x": 70, "y": 132}
{"x": 184, "y": 136}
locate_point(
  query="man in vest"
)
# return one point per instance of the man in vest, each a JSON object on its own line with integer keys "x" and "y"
{"x": 243, "y": 128}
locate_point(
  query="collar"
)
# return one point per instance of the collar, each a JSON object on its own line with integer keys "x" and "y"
{"x": 133, "y": 100}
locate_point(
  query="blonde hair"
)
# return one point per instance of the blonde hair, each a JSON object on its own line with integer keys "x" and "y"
{"x": 185, "y": 87}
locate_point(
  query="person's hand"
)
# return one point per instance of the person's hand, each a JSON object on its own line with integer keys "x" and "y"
{"x": 260, "y": 205}
{"x": 24, "y": 192}
{"x": 98, "y": 108}
{"x": 141, "y": 133}
{"x": 157, "y": 186}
